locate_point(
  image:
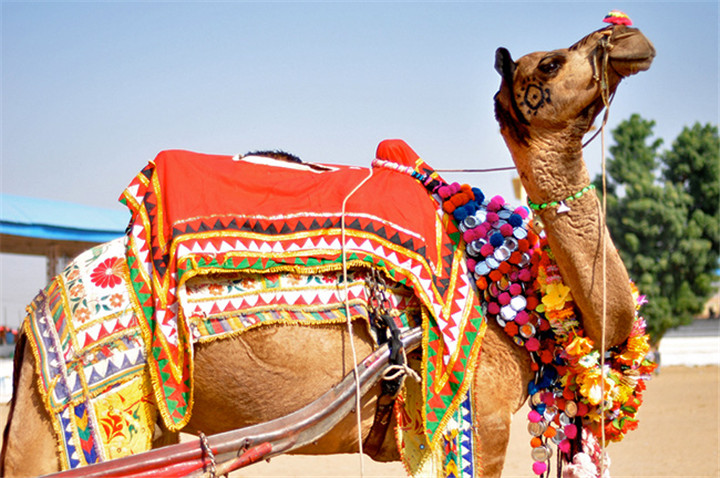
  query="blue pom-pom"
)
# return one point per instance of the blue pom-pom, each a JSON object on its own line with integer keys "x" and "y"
{"x": 533, "y": 388}
{"x": 471, "y": 208}
{"x": 479, "y": 196}
{"x": 497, "y": 239}
{"x": 460, "y": 214}
{"x": 545, "y": 382}
{"x": 515, "y": 220}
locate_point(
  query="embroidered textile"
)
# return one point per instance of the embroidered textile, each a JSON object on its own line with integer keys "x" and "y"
{"x": 195, "y": 214}
{"x": 90, "y": 360}
{"x": 454, "y": 454}
{"x": 224, "y": 305}
{"x": 90, "y": 356}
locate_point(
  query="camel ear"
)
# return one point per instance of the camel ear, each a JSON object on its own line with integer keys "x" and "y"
{"x": 505, "y": 65}
{"x": 631, "y": 52}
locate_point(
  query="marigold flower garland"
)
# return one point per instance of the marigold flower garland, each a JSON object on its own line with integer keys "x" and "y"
{"x": 523, "y": 291}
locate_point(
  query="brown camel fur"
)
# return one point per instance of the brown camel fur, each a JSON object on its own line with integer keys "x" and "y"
{"x": 269, "y": 372}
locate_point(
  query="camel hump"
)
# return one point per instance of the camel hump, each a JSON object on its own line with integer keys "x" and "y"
{"x": 397, "y": 151}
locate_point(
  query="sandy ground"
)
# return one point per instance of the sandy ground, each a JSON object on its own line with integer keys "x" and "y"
{"x": 678, "y": 436}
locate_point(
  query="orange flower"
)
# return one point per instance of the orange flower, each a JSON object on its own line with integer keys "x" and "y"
{"x": 579, "y": 346}
{"x": 82, "y": 315}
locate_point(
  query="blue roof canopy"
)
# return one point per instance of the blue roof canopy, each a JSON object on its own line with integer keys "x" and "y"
{"x": 56, "y": 222}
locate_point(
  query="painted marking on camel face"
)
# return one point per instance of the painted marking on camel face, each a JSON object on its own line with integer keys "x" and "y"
{"x": 566, "y": 88}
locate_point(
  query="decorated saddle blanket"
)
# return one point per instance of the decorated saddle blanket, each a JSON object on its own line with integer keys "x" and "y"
{"x": 218, "y": 245}
{"x": 92, "y": 363}
{"x": 195, "y": 214}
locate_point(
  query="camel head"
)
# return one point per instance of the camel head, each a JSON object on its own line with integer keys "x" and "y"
{"x": 563, "y": 90}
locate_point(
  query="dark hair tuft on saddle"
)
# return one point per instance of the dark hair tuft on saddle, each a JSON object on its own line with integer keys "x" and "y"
{"x": 276, "y": 154}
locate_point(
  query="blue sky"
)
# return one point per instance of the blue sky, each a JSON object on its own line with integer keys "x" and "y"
{"x": 92, "y": 90}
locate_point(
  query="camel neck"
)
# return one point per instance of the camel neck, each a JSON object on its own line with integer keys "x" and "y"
{"x": 551, "y": 174}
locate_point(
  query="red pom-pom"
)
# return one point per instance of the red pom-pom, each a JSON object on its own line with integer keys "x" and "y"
{"x": 493, "y": 308}
{"x": 495, "y": 204}
{"x": 522, "y": 318}
{"x": 564, "y": 446}
{"x": 522, "y": 212}
{"x": 525, "y": 275}
{"x": 482, "y": 230}
{"x": 539, "y": 467}
{"x": 616, "y": 17}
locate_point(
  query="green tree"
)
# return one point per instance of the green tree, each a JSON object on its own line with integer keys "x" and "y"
{"x": 663, "y": 215}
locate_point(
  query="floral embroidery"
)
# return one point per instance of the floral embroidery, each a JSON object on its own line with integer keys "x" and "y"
{"x": 116, "y": 300}
{"x": 78, "y": 290}
{"x": 82, "y": 315}
{"x": 108, "y": 273}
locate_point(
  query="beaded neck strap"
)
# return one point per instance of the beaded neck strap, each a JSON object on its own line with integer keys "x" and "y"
{"x": 426, "y": 180}
{"x": 561, "y": 205}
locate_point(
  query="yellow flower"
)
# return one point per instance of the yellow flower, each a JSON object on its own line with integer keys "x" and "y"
{"x": 623, "y": 394}
{"x": 590, "y": 386}
{"x": 639, "y": 344}
{"x": 555, "y": 296}
{"x": 579, "y": 346}
{"x": 637, "y": 348}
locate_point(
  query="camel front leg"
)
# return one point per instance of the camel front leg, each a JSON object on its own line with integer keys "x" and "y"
{"x": 499, "y": 390}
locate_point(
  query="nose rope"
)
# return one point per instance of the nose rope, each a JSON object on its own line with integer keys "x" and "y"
{"x": 605, "y": 47}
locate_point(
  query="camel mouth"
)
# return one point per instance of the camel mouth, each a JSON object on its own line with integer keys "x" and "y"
{"x": 629, "y": 51}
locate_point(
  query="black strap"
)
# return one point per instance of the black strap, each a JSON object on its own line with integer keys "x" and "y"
{"x": 382, "y": 323}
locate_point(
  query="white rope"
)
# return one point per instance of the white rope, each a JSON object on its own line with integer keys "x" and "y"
{"x": 604, "y": 85}
{"x": 401, "y": 370}
{"x": 349, "y": 322}
{"x": 604, "y": 304}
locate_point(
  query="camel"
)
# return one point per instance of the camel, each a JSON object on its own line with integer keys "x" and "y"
{"x": 546, "y": 103}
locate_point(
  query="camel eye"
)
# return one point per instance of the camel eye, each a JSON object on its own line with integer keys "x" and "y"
{"x": 551, "y": 65}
